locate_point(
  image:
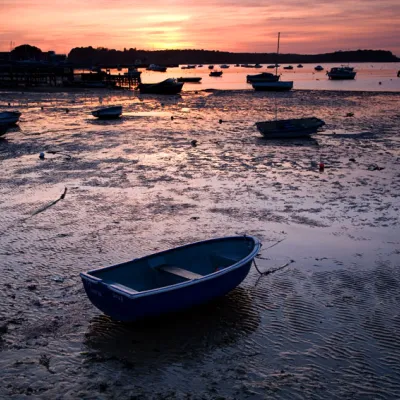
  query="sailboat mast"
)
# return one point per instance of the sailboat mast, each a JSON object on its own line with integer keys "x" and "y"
{"x": 277, "y": 54}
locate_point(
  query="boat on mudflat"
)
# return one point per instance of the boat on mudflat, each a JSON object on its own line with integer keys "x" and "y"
{"x": 171, "y": 280}
{"x": 108, "y": 112}
{"x": 278, "y": 86}
{"x": 263, "y": 77}
{"x": 340, "y": 73}
{"x": 8, "y": 118}
{"x": 189, "y": 79}
{"x": 169, "y": 86}
{"x": 289, "y": 128}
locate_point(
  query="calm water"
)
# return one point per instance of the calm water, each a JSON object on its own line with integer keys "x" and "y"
{"x": 325, "y": 327}
{"x": 370, "y": 77}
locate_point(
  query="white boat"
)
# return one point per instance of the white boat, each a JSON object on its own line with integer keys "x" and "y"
{"x": 289, "y": 128}
{"x": 278, "y": 86}
{"x": 108, "y": 112}
{"x": 8, "y": 118}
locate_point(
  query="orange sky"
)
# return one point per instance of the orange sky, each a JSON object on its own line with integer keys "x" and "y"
{"x": 231, "y": 25}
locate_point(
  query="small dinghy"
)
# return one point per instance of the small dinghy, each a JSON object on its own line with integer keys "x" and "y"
{"x": 289, "y": 128}
{"x": 8, "y": 118}
{"x": 169, "y": 86}
{"x": 108, "y": 112}
{"x": 171, "y": 280}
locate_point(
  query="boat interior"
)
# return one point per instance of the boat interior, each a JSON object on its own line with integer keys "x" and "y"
{"x": 175, "y": 266}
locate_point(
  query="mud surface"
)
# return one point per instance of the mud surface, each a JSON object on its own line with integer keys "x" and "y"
{"x": 324, "y": 327}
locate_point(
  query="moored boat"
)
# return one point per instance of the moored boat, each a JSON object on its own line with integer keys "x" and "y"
{"x": 319, "y": 68}
{"x": 263, "y": 77}
{"x": 340, "y": 73}
{"x": 289, "y": 128}
{"x": 155, "y": 67}
{"x": 211, "y": 67}
{"x": 278, "y": 86}
{"x": 224, "y": 66}
{"x": 169, "y": 86}
{"x": 288, "y": 67}
{"x": 8, "y": 118}
{"x": 300, "y": 66}
{"x": 108, "y": 112}
{"x": 171, "y": 280}
{"x": 189, "y": 79}
{"x": 215, "y": 73}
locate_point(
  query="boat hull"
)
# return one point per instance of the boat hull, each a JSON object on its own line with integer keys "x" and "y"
{"x": 341, "y": 77}
{"x": 273, "y": 86}
{"x": 9, "y": 118}
{"x": 289, "y": 129}
{"x": 130, "y": 307}
{"x": 189, "y": 79}
{"x": 147, "y": 88}
{"x": 108, "y": 113}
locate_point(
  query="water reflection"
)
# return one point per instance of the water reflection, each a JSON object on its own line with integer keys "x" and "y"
{"x": 173, "y": 337}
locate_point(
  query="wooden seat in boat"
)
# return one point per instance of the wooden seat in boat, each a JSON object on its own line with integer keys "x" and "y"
{"x": 183, "y": 273}
{"x": 117, "y": 285}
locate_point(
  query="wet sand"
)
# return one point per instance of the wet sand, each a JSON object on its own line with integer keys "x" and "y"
{"x": 324, "y": 327}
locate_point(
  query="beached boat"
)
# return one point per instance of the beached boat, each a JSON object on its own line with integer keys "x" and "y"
{"x": 319, "y": 68}
{"x": 215, "y": 73}
{"x": 8, "y": 118}
{"x": 340, "y": 73}
{"x": 278, "y": 86}
{"x": 155, "y": 67}
{"x": 263, "y": 77}
{"x": 108, "y": 112}
{"x": 289, "y": 128}
{"x": 169, "y": 86}
{"x": 189, "y": 79}
{"x": 171, "y": 280}
{"x": 3, "y": 130}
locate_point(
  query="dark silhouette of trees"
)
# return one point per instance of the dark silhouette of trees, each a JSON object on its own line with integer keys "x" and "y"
{"x": 26, "y": 52}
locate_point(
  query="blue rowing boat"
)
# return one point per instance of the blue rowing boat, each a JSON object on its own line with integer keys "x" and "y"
{"x": 171, "y": 280}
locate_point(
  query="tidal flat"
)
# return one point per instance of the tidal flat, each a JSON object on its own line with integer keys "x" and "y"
{"x": 325, "y": 326}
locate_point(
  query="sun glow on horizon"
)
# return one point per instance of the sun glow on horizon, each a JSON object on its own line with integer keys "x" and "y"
{"x": 226, "y": 25}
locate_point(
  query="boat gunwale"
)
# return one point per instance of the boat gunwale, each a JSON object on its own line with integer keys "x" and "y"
{"x": 128, "y": 293}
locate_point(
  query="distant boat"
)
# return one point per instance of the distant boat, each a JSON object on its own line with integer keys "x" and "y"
{"x": 215, "y": 73}
{"x": 271, "y": 66}
{"x": 319, "y": 68}
{"x": 258, "y": 66}
{"x": 189, "y": 79}
{"x": 108, "y": 112}
{"x": 9, "y": 118}
{"x": 275, "y": 86}
{"x": 188, "y": 67}
{"x": 155, "y": 67}
{"x": 211, "y": 67}
{"x": 171, "y": 280}
{"x": 300, "y": 66}
{"x": 224, "y": 66}
{"x": 278, "y": 86}
{"x": 200, "y": 65}
{"x": 237, "y": 65}
{"x": 169, "y": 86}
{"x": 263, "y": 77}
{"x": 341, "y": 73}
{"x": 288, "y": 67}
{"x": 398, "y": 73}
{"x": 289, "y": 128}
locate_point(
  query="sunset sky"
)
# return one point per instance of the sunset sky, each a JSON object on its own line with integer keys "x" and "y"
{"x": 306, "y": 26}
